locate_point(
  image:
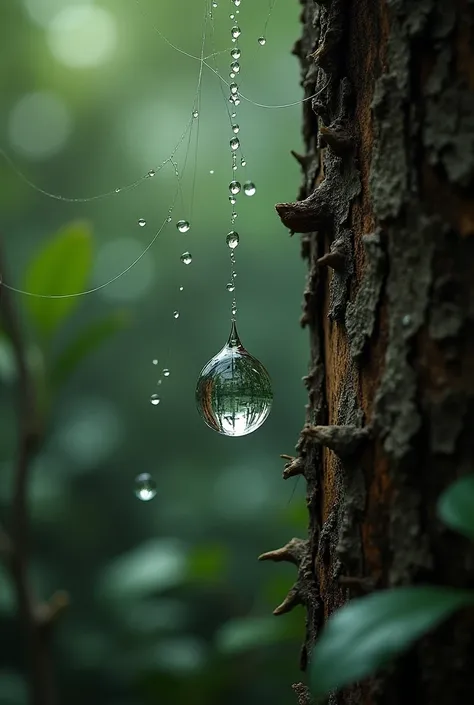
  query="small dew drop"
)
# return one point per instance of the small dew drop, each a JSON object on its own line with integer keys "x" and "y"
{"x": 158, "y": 384}
{"x": 235, "y": 67}
{"x": 211, "y": 171}
{"x": 232, "y": 239}
{"x": 235, "y": 128}
{"x": 168, "y": 219}
{"x": 181, "y": 288}
{"x": 234, "y": 310}
{"x": 232, "y": 74}
{"x": 235, "y": 53}
{"x": 249, "y": 188}
{"x": 195, "y": 113}
{"x": 155, "y": 361}
{"x": 175, "y": 314}
{"x": 183, "y": 226}
{"x": 145, "y": 487}
{"x": 234, "y": 89}
{"x": 230, "y": 286}
{"x": 236, "y": 2}
{"x": 214, "y": 4}
{"x": 155, "y": 399}
{"x": 233, "y": 218}
{"x": 234, "y": 143}
{"x": 233, "y": 115}
{"x": 166, "y": 372}
{"x": 262, "y": 41}
{"x": 243, "y": 162}
{"x": 234, "y": 274}
{"x": 142, "y": 222}
{"x": 117, "y": 190}
{"x": 234, "y": 187}
{"x": 232, "y": 17}
{"x": 235, "y": 32}
{"x": 186, "y": 258}
{"x": 232, "y": 200}
{"x": 151, "y": 173}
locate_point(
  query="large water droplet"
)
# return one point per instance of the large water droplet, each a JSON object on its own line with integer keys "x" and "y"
{"x": 142, "y": 222}
{"x": 145, "y": 487}
{"x": 232, "y": 239}
{"x": 186, "y": 258}
{"x": 249, "y": 188}
{"x": 234, "y": 392}
{"x": 234, "y": 187}
{"x": 234, "y": 143}
{"x": 235, "y": 53}
{"x": 155, "y": 399}
{"x": 183, "y": 226}
{"x": 235, "y": 32}
{"x": 262, "y": 41}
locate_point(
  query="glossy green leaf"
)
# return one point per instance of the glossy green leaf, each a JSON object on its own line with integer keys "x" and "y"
{"x": 60, "y": 268}
{"x": 456, "y": 506}
{"x": 240, "y": 635}
{"x": 88, "y": 340}
{"x": 366, "y": 633}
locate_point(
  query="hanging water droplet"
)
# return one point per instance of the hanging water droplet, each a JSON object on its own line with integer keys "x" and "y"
{"x": 155, "y": 361}
{"x": 236, "y": 100}
{"x": 186, "y": 258}
{"x": 249, "y": 188}
{"x": 175, "y": 314}
{"x": 243, "y": 162}
{"x": 234, "y": 143}
{"x": 235, "y": 67}
{"x": 232, "y": 239}
{"x": 195, "y": 113}
{"x": 235, "y": 32}
{"x": 235, "y": 128}
{"x": 234, "y": 89}
{"x": 151, "y": 173}
{"x": 235, "y": 53}
{"x": 145, "y": 487}
{"x": 236, "y": 2}
{"x": 234, "y": 392}
{"x": 234, "y": 187}
{"x": 168, "y": 219}
{"x": 232, "y": 17}
{"x": 142, "y": 222}
{"x": 262, "y": 41}
{"x": 155, "y": 399}
{"x": 183, "y": 226}
{"x": 211, "y": 171}
{"x": 233, "y": 115}
{"x": 230, "y": 286}
{"x": 214, "y": 3}
{"x": 232, "y": 200}
{"x": 234, "y": 310}
{"x": 234, "y": 274}
{"x": 181, "y": 288}
{"x": 166, "y": 372}
{"x": 232, "y": 74}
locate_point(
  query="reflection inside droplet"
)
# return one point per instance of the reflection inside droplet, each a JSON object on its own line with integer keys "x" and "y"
{"x": 145, "y": 487}
{"x": 234, "y": 393}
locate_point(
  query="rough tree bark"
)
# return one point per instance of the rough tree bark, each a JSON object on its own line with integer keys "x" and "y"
{"x": 387, "y": 221}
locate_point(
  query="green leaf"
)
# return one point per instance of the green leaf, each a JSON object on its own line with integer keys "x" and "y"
{"x": 208, "y": 563}
{"x": 154, "y": 566}
{"x": 60, "y": 268}
{"x": 369, "y": 631}
{"x": 88, "y": 340}
{"x": 456, "y": 506}
{"x": 240, "y": 635}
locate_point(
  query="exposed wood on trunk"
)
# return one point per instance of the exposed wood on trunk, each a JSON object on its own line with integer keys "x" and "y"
{"x": 386, "y": 203}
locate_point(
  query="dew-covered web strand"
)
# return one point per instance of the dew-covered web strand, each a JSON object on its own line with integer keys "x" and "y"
{"x": 115, "y": 192}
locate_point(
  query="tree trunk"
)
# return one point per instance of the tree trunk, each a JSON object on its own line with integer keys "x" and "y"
{"x": 387, "y": 221}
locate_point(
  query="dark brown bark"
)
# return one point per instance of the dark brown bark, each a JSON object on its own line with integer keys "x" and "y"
{"x": 387, "y": 217}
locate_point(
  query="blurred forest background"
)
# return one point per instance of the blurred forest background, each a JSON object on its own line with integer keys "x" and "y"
{"x": 168, "y": 601}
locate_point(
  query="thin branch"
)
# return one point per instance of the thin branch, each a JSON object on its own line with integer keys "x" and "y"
{"x": 37, "y": 631}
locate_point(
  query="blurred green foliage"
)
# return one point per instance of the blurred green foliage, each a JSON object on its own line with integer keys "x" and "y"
{"x": 169, "y": 604}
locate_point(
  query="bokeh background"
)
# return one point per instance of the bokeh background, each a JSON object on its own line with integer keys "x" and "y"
{"x": 168, "y": 601}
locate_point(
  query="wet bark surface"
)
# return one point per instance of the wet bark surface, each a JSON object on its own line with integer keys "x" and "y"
{"x": 386, "y": 219}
